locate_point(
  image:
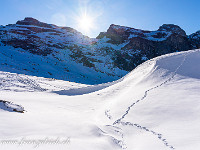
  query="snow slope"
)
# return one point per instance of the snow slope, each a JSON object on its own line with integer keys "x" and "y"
{"x": 58, "y": 66}
{"x": 35, "y": 48}
{"x": 156, "y": 107}
{"x": 45, "y": 50}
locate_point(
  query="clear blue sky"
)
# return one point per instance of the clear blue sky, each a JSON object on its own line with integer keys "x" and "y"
{"x": 142, "y": 14}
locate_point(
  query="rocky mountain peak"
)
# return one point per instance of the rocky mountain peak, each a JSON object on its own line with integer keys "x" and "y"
{"x": 195, "y": 39}
{"x": 172, "y": 28}
{"x": 116, "y": 29}
{"x": 33, "y": 21}
{"x": 117, "y": 34}
{"x": 196, "y": 34}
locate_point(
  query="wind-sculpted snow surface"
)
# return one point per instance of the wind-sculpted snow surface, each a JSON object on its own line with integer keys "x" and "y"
{"x": 149, "y": 90}
{"x": 156, "y": 107}
{"x": 171, "y": 70}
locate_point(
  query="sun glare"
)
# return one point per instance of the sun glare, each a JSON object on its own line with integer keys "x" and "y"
{"x": 85, "y": 23}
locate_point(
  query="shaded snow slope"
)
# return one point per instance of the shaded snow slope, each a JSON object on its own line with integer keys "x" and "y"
{"x": 57, "y": 65}
{"x": 156, "y": 106}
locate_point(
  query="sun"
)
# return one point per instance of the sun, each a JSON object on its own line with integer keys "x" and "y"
{"x": 86, "y": 23}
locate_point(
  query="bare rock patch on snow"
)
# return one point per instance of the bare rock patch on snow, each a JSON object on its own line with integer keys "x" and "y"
{"x": 11, "y": 107}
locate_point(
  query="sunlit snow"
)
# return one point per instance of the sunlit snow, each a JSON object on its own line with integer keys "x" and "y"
{"x": 154, "y": 107}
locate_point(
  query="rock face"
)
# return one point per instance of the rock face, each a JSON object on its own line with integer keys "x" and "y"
{"x": 35, "y": 22}
{"x": 167, "y": 39}
{"x": 172, "y": 28}
{"x": 35, "y": 36}
{"x": 108, "y": 57}
{"x": 195, "y": 39}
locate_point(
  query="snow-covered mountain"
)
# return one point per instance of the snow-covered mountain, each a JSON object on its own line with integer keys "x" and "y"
{"x": 40, "y": 49}
{"x": 35, "y": 48}
{"x": 156, "y": 106}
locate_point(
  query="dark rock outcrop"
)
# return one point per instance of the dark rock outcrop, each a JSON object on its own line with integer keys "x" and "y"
{"x": 172, "y": 28}
{"x": 35, "y": 22}
{"x": 195, "y": 39}
{"x": 167, "y": 39}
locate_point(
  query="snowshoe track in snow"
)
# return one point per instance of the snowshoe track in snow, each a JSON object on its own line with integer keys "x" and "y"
{"x": 147, "y": 91}
{"x": 159, "y": 136}
{"x": 119, "y": 121}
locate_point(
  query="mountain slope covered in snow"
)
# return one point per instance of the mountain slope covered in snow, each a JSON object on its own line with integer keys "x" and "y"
{"x": 35, "y": 48}
{"x": 156, "y": 106}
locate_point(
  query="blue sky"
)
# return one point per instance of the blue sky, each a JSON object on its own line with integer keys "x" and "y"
{"x": 141, "y": 14}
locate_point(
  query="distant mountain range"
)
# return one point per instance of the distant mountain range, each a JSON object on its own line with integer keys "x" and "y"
{"x": 40, "y": 49}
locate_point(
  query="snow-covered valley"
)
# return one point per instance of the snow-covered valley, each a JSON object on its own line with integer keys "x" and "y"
{"x": 156, "y": 107}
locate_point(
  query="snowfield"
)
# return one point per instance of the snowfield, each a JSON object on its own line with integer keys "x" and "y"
{"x": 154, "y": 107}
